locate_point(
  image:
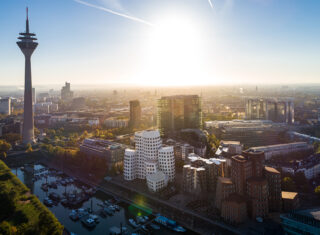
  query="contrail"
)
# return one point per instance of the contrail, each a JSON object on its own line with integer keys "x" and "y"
{"x": 114, "y": 12}
{"x": 210, "y": 3}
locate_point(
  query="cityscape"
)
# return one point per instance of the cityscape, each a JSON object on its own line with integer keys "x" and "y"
{"x": 151, "y": 117}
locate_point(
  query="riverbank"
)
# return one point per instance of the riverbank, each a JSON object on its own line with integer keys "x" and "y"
{"x": 22, "y": 212}
{"x": 184, "y": 217}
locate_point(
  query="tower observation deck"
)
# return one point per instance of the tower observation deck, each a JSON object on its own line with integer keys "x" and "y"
{"x": 27, "y": 43}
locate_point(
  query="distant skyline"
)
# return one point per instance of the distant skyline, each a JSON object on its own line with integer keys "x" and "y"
{"x": 163, "y": 42}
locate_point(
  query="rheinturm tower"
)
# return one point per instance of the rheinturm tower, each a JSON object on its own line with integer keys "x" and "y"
{"x": 27, "y": 43}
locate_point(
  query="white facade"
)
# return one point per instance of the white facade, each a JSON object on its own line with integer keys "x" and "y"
{"x": 129, "y": 163}
{"x": 149, "y": 160}
{"x": 157, "y": 181}
{"x": 5, "y": 106}
{"x": 166, "y": 162}
{"x": 147, "y": 145}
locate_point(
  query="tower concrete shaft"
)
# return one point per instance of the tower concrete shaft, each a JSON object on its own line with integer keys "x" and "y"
{"x": 27, "y": 43}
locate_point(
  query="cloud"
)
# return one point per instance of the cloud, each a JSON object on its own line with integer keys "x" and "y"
{"x": 210, "y": 3}
{"x": 133, "y": 18}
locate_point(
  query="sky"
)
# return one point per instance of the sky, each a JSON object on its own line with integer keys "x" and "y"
{"x": 163, "y": 42}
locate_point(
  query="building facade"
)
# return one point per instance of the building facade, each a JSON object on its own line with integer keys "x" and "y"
{"x": 274, "y": 184}
{"x": 66, "y": 93}
{"x": 5, "y": 106}
{"x": 149, "y": 158}
{"x": 179, "y": 112}
{"x": 277, "y": 110}
{"x": 111, "y": 152}
{"x": 135, "y": 113}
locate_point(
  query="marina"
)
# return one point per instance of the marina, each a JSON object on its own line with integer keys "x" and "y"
{"x": 83, "y": 209}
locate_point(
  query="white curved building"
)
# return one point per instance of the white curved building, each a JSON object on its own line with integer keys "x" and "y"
{"x": 129, "y": 164}
{"x": 150, "y": 160}
{"x": 147, "y": 145}
{"x": 166, "y": 162}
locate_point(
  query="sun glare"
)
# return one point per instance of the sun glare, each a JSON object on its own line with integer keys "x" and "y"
{"x": 174, "y": 53}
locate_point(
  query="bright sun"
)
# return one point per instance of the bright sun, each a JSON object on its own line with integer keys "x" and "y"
{"x": 174, "y": 54}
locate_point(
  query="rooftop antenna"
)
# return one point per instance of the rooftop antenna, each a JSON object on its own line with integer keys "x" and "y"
{"x": 27, "y": 22}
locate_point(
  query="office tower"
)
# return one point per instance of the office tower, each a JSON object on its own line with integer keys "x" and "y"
{"x": 27, "y": 43}
{"x": 66, "y": 93}
{"x": 34, "y": 98}
{"x": 135, "y": 113}
{"x": 179, "y": 112}
{"x": 5, "y": 106}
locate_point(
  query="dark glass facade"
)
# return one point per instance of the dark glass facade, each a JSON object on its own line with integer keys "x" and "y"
{"x": 179, "y": 112}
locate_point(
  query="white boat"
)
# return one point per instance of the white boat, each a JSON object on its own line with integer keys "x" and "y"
{"x": 133, "y": 223}
{"x": 90, "y": 223}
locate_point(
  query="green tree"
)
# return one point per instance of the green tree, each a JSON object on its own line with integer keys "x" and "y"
{"x": 4, "y": 146}
{"x": 12, "y": 137}
{"x": 317, "y": 191}
{"x": 288, "y": 184}
{"x": 29, "y": 148}
{"x": 5, "y": 228}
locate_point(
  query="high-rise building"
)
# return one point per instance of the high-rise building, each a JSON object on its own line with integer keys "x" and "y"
{"x": 5, "y": 106}
{"x": 148, "y": 159}
{"x": 66, "y": 93}
{"x": 179, "y": 112}
{"x": 27, "y": 43}
{"x": 135, "y": 113}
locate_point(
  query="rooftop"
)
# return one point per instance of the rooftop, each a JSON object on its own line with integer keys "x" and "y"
{"x": 159, "y": 175}
{"x": 288, "y": 195}
{"x": 271, "y": 169}
{"x": 225, "y": 180}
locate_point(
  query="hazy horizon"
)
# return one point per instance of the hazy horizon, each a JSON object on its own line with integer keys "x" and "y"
{"x": 163, "y": 43}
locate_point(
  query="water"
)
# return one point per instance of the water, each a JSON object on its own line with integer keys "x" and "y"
{"x": 62, "y": 213}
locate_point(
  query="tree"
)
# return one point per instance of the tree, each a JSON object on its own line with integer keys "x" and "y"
{"x": 4, "y": 148}
{"x": 317, "y": 191}
{"x": 288, "y": 184}
{"x": 12, "y": 137}
{"x": 29, "y": 148}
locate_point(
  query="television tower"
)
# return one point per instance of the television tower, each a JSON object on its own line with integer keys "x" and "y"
{"x": 27, "y": 43}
